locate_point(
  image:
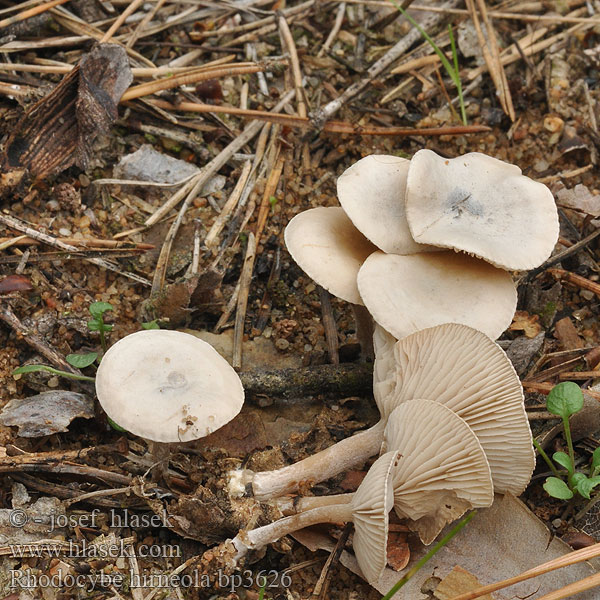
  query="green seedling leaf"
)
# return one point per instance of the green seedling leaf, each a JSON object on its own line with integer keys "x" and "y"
{"x": 115, "y": 426}
{"x": 586, "y": 485}
{"x": 557, "y": 488}
{"x": 595, "y": 466}
{"x": 565, "y": 399}
{"x": 576, "y": 479}
{"x": 97, "y": 309}
{"x": 562, "y": 458}
{"x": 99, "y": 325}
{"x": 81, "y": 361}
{"x": 151, "y": 325}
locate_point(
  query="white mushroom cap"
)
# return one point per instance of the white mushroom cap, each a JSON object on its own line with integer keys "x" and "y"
{"x": 483, "y": 206}
{"x": 371, "y": 504}
{"x": 466, "y": 371}
{"x": 441, "y": 471}
{"x": 329, "y": 249}
{"x": 167, "y": 386}
{"x": 371, "y": 192}
{"x": 408, "y": 293}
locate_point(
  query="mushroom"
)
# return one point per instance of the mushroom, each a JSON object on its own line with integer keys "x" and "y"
{"x": 483, "y": 206}
{"x": 469, "y": 373}
{"x": 330, "y": 250}
{"x": 167, "y": 387}
{"x": 407, "y": 293}
{"x": 368, "y": 508}
{"x": 452, "y": 364}
{"x": 441, "y": 470}
{"x": 371, "y": 193}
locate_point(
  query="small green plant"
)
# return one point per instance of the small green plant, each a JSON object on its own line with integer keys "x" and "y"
{"x": 49, "y": 369}
{"x": 80, "y": 361}
{"x": 97, "y": 310}
{"x": 564, "y": 400}
{"x": 451, "y": 68}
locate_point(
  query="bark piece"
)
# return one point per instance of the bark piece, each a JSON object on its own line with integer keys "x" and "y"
{"x": 59, "y": 130}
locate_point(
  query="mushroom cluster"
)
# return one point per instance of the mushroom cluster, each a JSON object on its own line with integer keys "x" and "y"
{"x": 428, "y": 241}
{"x": 424, "y": 247}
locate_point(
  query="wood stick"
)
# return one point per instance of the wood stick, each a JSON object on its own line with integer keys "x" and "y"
{"x": 34, "y": 340}
{"x": 168, "y": 83}
{"x": 337, "y": 25}
{"x": 52, "y": 241}
{"x": 577, "y": 280}
{"x": 32, "y": 12}
{"x": 120, "y": 20}
{"x": 329, "y": 126}
{"x": 231, "y": 203}
{"x": 331, "y": 333}
{"x": 242, "y": 301}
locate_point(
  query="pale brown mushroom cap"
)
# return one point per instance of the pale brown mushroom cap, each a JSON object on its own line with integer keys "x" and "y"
{"x": 483, "y": 206}
{"x": 371, "y": 192}
{"x": 371, "y": 505}
{"x": 442, "y": 470}
{"x": 167, "y": 386}
{"x": 329, "y": 249}
{"x": 466, "y": 371}
{"x": 408, "y": 293}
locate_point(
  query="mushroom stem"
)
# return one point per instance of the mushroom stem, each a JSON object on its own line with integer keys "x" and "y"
{"x": 291, "y": 506}
{"x": 160, "y": 452}
{"x": 257, "y": 538}
{"x": 320, "y": 466}
{"x": 364, "y": 331}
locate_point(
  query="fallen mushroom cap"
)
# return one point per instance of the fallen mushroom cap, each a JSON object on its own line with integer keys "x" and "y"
{"x": 408, "y": 293}
{"x": 371, "y": 193}
{"x": 329, "y": 249}
{"x": 483, "y": 206}
{"x": 167, "y": 386}
{"x": 371, "y": 505}
{"x": 466, "y": 371}
{"x": 442, "y": 470}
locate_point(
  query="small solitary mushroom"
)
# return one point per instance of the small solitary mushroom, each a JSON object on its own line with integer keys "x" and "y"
{"x": 167, "y": 387}
{"x": 441, "y": 470}
{"x": 368, "y": 508}
{"x": 407, "y": 293}
{"x": 452, "y": 364}
{"x": 330, "y": 250}
{"x": 482, "y": 206}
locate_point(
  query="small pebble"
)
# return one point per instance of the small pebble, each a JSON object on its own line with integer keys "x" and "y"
{"x": 282, "y": 344}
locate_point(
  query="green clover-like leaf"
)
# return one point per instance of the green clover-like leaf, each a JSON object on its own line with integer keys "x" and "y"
{"x": 562, "y": 458}
{"x": 557, "y": 488}
{"x": 82, "y": 360}
{"x": 565, "y": 399}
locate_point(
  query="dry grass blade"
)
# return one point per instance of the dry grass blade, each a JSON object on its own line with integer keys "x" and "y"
{"x": 168, "y": 83}
{"x": 489, "y": 48}
{"x": 32, "y": 12}
{"x": 115, "y": 26}
{"x": 563, "y": 561}
{"x": 574, "y": 588}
